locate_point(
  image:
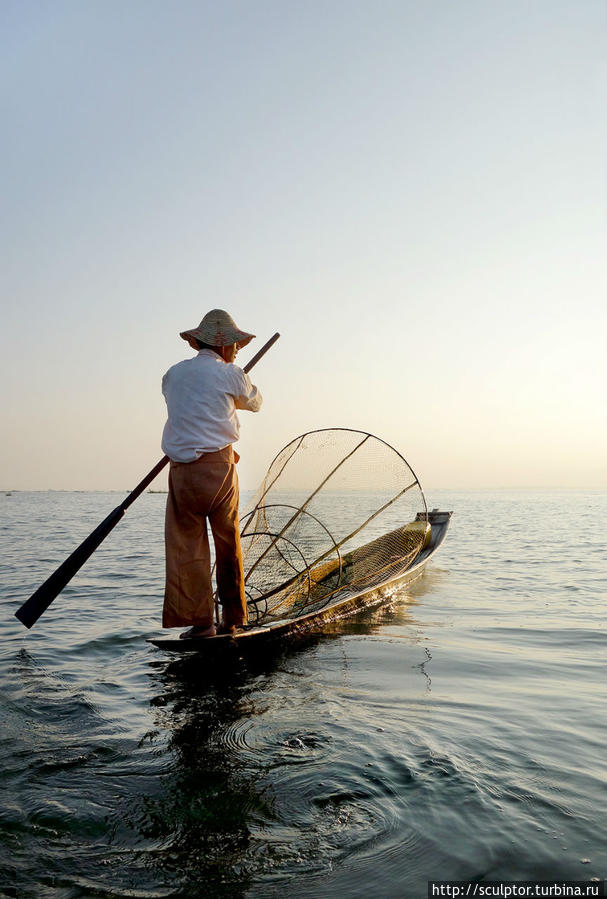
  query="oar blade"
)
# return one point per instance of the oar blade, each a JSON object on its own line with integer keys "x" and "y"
{"x": 33, "y": 608}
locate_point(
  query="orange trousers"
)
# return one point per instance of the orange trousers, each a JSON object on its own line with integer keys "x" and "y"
{"x": 201, "y": 490}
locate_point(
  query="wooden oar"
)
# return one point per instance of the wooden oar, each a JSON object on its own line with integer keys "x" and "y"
{"x": 30, "y": 611}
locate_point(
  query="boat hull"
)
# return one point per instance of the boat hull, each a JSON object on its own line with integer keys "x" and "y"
{"x": 255, "y": 637}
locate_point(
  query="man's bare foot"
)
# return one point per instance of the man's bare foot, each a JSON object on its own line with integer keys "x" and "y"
{"x": 228, "y": 629}
{"x": 198, "y": 632}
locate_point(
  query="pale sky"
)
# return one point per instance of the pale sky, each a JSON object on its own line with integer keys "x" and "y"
{"x": 412, "y": 193}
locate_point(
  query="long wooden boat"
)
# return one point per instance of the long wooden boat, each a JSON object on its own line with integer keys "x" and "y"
{"x": 342, "y": 588}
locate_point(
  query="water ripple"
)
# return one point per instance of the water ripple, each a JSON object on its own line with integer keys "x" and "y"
{"x": 454, "y": 732}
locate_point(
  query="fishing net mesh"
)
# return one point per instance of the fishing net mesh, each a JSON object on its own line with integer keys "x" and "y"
{"x": 338, "y": 513}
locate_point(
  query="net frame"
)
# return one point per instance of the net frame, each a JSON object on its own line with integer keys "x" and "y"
{"x": 302, "y": 583}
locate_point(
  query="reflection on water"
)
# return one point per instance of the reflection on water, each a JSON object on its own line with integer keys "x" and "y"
{"x": 455, "y": 732}
{"x": 198, "y": 818}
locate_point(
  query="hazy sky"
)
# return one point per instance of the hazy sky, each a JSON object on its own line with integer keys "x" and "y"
{"x": 412, "y": 193}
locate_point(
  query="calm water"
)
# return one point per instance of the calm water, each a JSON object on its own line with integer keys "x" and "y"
{"x": 456, "y": 733}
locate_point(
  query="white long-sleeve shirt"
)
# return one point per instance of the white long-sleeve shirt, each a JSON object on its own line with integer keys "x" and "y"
{"x": 202, "y": 395}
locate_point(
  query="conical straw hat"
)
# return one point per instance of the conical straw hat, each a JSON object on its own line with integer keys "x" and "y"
{"x": 217, "y": 329}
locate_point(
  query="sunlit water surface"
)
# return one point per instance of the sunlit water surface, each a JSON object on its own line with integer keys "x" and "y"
{"x": 456, "y": 733}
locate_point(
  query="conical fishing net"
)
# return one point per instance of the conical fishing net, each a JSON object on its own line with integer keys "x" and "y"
{"x": 338, "y": 513}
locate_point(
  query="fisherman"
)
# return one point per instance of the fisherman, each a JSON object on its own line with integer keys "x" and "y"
{"x": 202, "y": 395}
